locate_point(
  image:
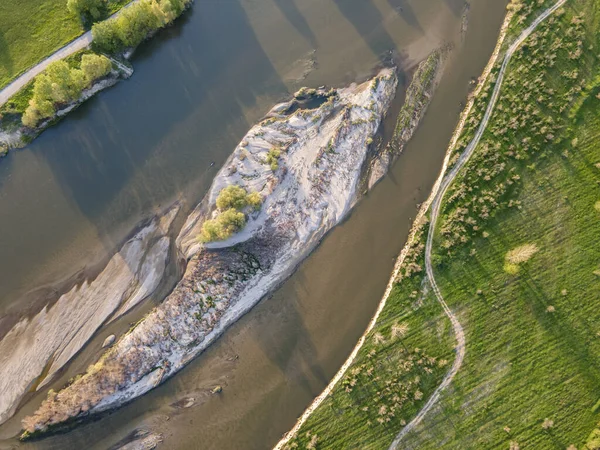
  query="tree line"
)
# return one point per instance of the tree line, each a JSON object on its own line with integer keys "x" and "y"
{"x": 60, "y": 84}
{"x": 135, "y": 23}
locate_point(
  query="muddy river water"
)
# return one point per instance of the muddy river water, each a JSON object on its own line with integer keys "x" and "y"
{"x": 70, "y": 199}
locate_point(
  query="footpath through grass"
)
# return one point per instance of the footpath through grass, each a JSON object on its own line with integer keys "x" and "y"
{"x": 531, "y": 376}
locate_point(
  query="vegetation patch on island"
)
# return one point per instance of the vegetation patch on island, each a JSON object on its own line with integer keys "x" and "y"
{"x": 229, "y": 217}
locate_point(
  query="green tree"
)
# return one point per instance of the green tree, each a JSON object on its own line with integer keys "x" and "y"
{"x": 137, "y": 22}
{"x": 87, "y": 10}
{"x": 67, "y": 84}
{"x": 232, "y": 196}
{"x": 223, "y": 227}
{"x": 107, "y": 36}
{"x": 95, "y": 66}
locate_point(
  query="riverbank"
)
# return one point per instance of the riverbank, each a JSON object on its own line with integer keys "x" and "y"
{"x": 519, "y": 266}
{"x": 224, "y": 280}
{"x": 333, "y": 426}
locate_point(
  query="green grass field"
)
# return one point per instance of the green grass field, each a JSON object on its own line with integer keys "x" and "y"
{"x": 531, "y": 375}
{"x": 533, "y": 331}
{"x": 30, "y": 30}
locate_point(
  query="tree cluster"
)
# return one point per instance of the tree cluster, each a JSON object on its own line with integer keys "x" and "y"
{"x": 60, "y": 84}
{"x": 231, "y": 203}
{"x": 135, "y": 23}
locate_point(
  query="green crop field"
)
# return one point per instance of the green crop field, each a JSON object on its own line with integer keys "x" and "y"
{"x": 517, "y": 257}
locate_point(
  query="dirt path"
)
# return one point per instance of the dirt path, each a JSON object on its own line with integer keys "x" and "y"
{"x": 78, "y": 44}
{"x": 435, "y": 210}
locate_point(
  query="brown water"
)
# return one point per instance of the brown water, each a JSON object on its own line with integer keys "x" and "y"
{"x": 69, "y": 198}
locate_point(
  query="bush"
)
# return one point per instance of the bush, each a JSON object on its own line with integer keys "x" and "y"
{"x": 95, "y": 66}
{"x": 87, "y": 10}
{"x": 273, "y": 157}
{"x": 254, "y": 199}
{"x": 232, "y": 197}
{"x": 223, "y": 227}
{"x": 230, "y": 201}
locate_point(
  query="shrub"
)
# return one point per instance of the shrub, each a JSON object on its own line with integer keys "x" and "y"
{"x": 232, "y": 197}
{"x": 87, "y": 10}
{"x": 230, "y": 201}
{"x": 223, "y": 226}
{"x": 517, "y": 256}
{"x": 95, "y": 66}
{"x": 254, "y": 199}
{"x": 273, "y": 157}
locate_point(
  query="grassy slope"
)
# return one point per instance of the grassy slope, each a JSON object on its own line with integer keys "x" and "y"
{"x": 533, "y": 338}
{"x": 30, "y": 30}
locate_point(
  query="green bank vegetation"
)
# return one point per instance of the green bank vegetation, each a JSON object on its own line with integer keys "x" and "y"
{"x": 404, "y": 358}
{"x": 517, "y": 253}
{"x": 232, "y": 203}
{"x": 135, "y": 23}
{"x": 61, "y": 84}
{"x": 517, "y": 258}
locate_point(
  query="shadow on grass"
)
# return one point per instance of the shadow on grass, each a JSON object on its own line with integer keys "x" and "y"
{"x": 6, "y": 61}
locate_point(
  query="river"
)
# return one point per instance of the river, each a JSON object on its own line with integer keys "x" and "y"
{"x": 72, "y": 197}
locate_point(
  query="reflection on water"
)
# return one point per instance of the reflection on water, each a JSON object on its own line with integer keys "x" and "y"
{"x": 68, "y": 200}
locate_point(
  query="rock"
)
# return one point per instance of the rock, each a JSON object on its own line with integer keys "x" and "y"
{"x": 110, "y": 340}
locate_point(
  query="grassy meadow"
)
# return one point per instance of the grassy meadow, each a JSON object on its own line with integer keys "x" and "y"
{"x": 517, "y": 258}
{"x": 518, "y": 254}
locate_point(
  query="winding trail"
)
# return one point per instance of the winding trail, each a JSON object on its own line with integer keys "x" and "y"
{"x": 435, "y": 210}
{"x": 78, "y": 44}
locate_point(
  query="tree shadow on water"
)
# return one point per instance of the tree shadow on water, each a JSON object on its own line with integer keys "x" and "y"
{"x": 456, "y": 6}
{"x": 289, "y": 9}
{"x": 368, "y": 22}
{"x": 288, "y": 344}
{"x": 405, "y": 10}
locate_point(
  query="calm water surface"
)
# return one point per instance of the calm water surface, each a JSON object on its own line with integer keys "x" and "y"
{"x": 69, "y": 199}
